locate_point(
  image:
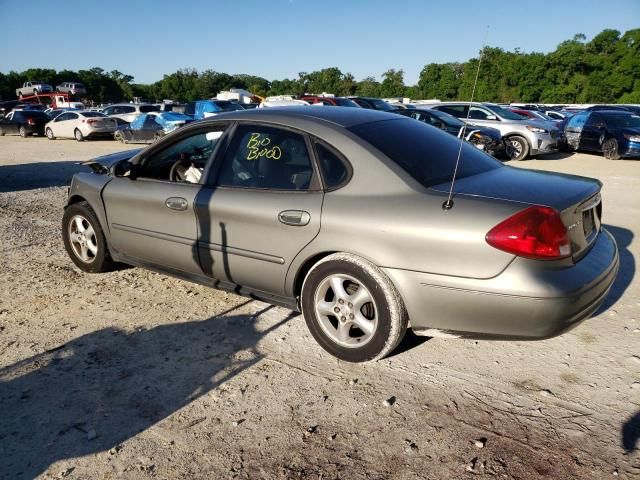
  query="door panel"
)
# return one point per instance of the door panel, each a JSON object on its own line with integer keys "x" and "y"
{"x": 154, "y": 221}
{"x": 244, "y": 239}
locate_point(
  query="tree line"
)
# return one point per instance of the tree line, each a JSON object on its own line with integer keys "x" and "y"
{"x": 605, "y": 69}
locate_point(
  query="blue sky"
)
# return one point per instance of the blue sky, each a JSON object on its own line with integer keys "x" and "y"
{"x": 279, "y": 38}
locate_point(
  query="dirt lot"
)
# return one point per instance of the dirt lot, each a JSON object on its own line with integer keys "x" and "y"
{"x": 137, "y": 375}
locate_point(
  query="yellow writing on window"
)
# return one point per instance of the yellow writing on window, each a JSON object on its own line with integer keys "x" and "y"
{"x": 260, "y": 146}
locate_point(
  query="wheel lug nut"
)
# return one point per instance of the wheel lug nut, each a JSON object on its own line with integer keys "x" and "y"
{"x": 350, "y": 305}
{"x": 343, "y": 319}
{"x": 341, "y": 301}
{"x": 337, "y": 310}
{"x": 351, "y": 316}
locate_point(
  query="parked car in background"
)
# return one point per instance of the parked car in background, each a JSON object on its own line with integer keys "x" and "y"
{"x": 23, "y": 123}
{"x": 54, "y": 112}
{"x": 32, "y": 88}
{"x": 129, "y": 111}
{"x": 80, "y": 125}
{"x": 615, "y": 133}
{"x": 373, "y": 104}
{"x": 623, "y": 108}
{"x": 30, "y": 106}
{"x": 334, "y": 101}
{"x": 7, "y": 106}
{"x": 273, "y": 215}
{"x": 149, "y": 127}
{"x": 72, "y": 88}
{"x": 485, "y": 138}
{"x": 206, "y": 108}
{"x": 527, "y": 137}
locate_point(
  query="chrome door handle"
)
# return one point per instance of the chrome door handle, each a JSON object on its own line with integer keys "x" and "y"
{"x": 298, "y": 218}
{"x": 176, "y": 203}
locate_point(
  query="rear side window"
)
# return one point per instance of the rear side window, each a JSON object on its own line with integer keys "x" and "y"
{"x": 267, "y": 158}
{"x": 427, "y": 154}
{"x": 459, "y": 111}
{"x": 334, "y": 171}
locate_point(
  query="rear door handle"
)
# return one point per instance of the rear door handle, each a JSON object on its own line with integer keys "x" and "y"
{"x": 298, "y": 218}
{"x": 176, "y": 203}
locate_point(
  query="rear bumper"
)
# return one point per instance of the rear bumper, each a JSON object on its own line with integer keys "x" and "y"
{"x": 528, "y": 300}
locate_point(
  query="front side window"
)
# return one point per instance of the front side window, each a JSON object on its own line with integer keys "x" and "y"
{"x": 267, "y": 158}
{"x": 149, "y": 108}
{"x": 477, "y": 113}
{"x": 184, "y": 160}
{"x": 126, "y": 109}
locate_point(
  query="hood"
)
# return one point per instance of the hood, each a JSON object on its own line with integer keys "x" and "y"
{"x": 108, "y": 161}
{"x": 627, "y": 130}
{"x": 556, "y": 190}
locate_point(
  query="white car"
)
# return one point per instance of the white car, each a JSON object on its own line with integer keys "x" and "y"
{"x": 129, "y": 111}
{"x": 80, "y": 125}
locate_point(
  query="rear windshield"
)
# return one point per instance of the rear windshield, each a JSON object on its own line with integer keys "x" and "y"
{"x": 92, "y": 114}
{"x": 345, "y": 102}
{"x": 34, "y": 114}
{"x": 149, "y": 108}
{"x": 424, "y": 152}
{"x": 228, "y": 106}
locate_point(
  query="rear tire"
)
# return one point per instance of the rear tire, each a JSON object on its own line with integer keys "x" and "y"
{"x": 520, "y": 147}
{"x": 352, "y": 308}
{"x": 23, "y": 132}
{"x": 610, "y": 149}
{"x": 84, "y": 240}
{"x": 1, "y": 132}
{"x": 49, "y": 134}
{"x": 78, "y": 135}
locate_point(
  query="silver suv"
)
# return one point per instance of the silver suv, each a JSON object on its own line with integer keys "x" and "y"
{"x": 528, "y": 137}
{"x": 129, "y": 111}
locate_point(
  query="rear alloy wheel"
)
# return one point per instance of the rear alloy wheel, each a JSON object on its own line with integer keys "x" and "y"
{"x": 352, "y": 309}
{"x": 78, "y": 135}
{"x": 118, "y": 136}
{"x": 23, "y": 132}
{"x": 610, "y": 149}
{"x": 84, "y": 240}
{"x": 50, "y": 135}
{"x": 520, "y": 147}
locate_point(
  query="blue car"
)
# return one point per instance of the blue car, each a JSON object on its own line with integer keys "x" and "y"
{"x": 207, "y": 108}
{"x": 615, "y": 133}
{"x": 148, "y": 127}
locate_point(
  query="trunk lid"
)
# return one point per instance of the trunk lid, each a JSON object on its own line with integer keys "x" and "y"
{"x": 576, "y": 198}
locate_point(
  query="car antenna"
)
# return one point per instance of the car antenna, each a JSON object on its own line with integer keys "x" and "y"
{"x": 448, "y": 204}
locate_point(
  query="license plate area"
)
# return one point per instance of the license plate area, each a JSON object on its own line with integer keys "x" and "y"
{"x": 588, "y": 223}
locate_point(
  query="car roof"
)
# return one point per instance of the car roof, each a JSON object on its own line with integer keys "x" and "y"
{"x": 341, "y": 116}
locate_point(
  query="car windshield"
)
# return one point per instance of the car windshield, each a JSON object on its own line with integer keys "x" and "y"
{"x": 622, "y": 121}
{"x": 446, "y": 118}
{"x": 382, "y": 105}
{"x": 149, "y": 108}
{"x": 504, "y": 113}
{"x": 345, "y": 102}
{"x": 92, "y": 114}
{"x": 228, "y": 106}
{"x": 427, "y": 154}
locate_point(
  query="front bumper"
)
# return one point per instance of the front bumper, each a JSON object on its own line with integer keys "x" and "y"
{"x": 529, "y": 300}
{"x": 545, "y": 144}
{"x": 630, "y": 150}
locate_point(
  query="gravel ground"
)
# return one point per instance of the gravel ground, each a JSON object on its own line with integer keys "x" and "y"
{"x": 136, "y": 375}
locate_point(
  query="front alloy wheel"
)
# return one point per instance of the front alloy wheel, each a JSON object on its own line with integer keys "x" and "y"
{"x": 610, "y": 149}
{"x": 84, "y": 240}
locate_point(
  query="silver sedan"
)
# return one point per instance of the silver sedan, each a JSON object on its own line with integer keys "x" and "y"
{"x": 338, "y": 212}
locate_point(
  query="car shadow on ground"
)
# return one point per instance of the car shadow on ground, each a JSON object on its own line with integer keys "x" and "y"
{"x": 29, "y": 176}
{"x": 100, "y": 389}
{"x": 555, "y": 156}
{"x": 631, "y": 433}
{"x": 627, "y": 270}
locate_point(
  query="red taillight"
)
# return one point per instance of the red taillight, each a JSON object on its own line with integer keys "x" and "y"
{"x": 90, "y": 120}
{"x": 31, "y": 121}
{"x": 536, "y": 232}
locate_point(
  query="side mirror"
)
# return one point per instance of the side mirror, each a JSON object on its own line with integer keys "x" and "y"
{"x": 125, "y": 169}
{"x": 491, "y": 117}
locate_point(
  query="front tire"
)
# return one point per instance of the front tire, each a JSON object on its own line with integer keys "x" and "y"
{"x": 610, "y": 149}
{"x": 352, "y": 308}
{"x": 78, "y": 135}
{"x": 23, "y": 132}
{"x": 50, "y": 134}
{"x": 520, "y": 147}
{"x": 84, "y": 240}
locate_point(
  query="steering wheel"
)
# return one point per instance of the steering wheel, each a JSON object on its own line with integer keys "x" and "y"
{"x": 178, "y": 170}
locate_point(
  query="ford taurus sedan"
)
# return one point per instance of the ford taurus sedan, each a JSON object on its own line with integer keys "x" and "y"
{"x": 339, "y": 213}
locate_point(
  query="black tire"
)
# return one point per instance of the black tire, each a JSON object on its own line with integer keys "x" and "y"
{"x": 97, "y": 262}
{"x": 610, "y": 149}
{"x": 520, "y": 147}
{"x": 389, "y": 316}
{"x": 23, "y": 132}
{"x": 118, "y": 136}
{"x": 78, "y": 135}
{"x": 49, "y": 134}
{"x": 1, "y": 132}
